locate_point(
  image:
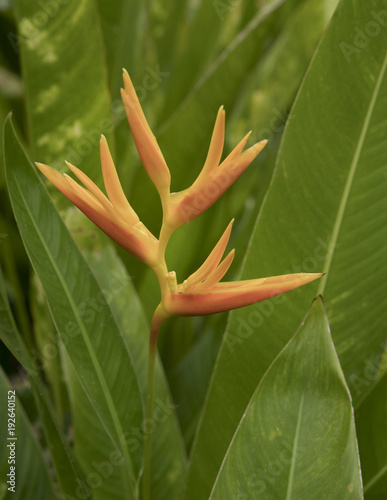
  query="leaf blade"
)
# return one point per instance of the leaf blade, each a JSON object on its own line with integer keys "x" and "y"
{"x": 66, "y": 467}
{"x": 30, "y": 469}
{"x": 70, "y": 289}
{"x": 296, "y": 221}
{"x": 296, "y": 404}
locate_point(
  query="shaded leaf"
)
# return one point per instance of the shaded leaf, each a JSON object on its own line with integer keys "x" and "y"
{"x": 100, "y": 460}
{"x": 371, "y": 425}
{"x": 67, "y": 470}
{"x": 23, "y": 454}
{"x": 169, "y": 460}
{"x": 79, "y": 309}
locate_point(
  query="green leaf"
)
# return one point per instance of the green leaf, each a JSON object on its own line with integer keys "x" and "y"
{"x": 46, "y": 341}
{"x": 371, "y": 426}
{"x": 325, "y": 211}
{"x": 3, "y": 113}
{"x": 67, "y": 470}
{"x": 100, "y": 461}
{"x": 68, "y": 104}
{"x": 122, "y": 33}
{"x": 23, "y": 454}
{"x": 80, "y": 312}
{"x": 169, "y": 460}
{"x": 297, "y": 436}
{"x": 168, "y": 23}
{"x": 203, "y": 31}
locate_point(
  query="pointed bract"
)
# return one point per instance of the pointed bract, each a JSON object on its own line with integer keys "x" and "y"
{"x": 232, "y": 295}
{"x": 146, "y": 144}
{"x": 214, "y": 179}
{"x": 216, "y": 146}
{"x": 217, "y": 274}
{"x": 96, "y": 206}
{"x": 212, "y": 260}
{"x": 113, "y": 185}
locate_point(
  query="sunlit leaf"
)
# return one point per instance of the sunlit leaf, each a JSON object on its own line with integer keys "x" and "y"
{"x": 68, "y": 105}
{"x": 297, "y": 436}
{"x": 325, "y": 211}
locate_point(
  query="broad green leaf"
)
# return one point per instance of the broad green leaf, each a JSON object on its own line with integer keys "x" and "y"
{"x": 23, "y": 470}
{"x": 168, "y": 23}
{"x": 81, "y": 314}
{"x": 122, "y": 29}
{"x": 169, "y": 461}
{"x": 325, "y": 211}
{"x": 46, "y": 340}
{"x": 297, "y": 436}
{"x": 371, "y": 426}
{"x": 66, "y": 468}
{"x": 204, "y": 30}
{"x": 99, "y": 459}
{"x": 68, "y": 105}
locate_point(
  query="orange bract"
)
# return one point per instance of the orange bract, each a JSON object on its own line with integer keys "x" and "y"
{"x": 201, "y": 293}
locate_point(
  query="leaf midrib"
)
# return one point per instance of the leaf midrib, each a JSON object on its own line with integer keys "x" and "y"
{"x": 351, "y": 175}
{"x": 90, "y": 349}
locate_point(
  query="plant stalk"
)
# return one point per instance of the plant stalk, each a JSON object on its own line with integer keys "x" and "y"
{"x": 156, "y": 322}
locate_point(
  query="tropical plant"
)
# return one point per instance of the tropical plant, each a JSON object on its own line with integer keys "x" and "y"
{"x": 284, "y": 398}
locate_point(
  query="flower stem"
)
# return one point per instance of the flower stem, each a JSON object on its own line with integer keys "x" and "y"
{"x": 156, "y": 322}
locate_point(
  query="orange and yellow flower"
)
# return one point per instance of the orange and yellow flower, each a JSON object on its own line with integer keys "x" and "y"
{"x": 203, "y": 292}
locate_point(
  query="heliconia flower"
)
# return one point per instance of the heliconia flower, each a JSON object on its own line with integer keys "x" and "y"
{"x": 113, "y": 214}
{"x": 203, "y": 293}
{"x": 214, "y": 179}
{"x": 146, "y": 144}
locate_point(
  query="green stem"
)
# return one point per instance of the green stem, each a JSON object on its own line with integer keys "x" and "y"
{"x": 161, "y": 270}
{"x": 158, "y": 317}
